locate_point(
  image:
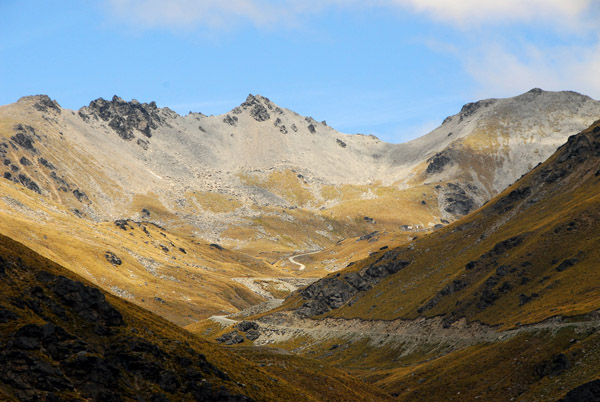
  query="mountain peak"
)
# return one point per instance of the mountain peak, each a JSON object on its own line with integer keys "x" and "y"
{"x": 42, "y": 103}
{"x": 259, "y": 107}
{"x": 124, "y": 117}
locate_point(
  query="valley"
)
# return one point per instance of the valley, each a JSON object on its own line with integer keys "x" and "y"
{"x": 266, "y": 237}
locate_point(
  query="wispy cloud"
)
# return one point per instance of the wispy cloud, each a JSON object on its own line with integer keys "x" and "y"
{"x": 504, "y": 71}
{"x": 476, "y": 12}
{"x": 265, "y": 13}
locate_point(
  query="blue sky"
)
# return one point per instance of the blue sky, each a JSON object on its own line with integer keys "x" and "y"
{"x": 393, "y": 68}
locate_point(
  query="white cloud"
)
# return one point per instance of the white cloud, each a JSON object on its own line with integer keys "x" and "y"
{"x": 500, "y": 71}
{"x": 270, "y": 13}
{"x": 475, "y": 12}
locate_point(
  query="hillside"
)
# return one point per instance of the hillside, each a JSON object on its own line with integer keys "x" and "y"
{"x": 62, "y": 339}
{"x": 501, "y": 304}
{"x": 193, "y": 208}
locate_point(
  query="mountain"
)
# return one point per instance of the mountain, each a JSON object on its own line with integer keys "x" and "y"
{"x": 63, "y": 339}
{"x": 188, "y": 215}
{"x": 502, "y": 304}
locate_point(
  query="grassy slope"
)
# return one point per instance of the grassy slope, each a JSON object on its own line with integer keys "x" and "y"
{"x": 192, "y": 284}
{"x": 548, "y": 217}
{"x": 554, "y": 222}
{"x": 165, "y": 347}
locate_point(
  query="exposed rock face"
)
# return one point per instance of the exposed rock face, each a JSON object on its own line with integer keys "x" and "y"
{"x": 438, "y": 162}
{"x": 257, "y": 110}
{"x": 112, "y": 258}
{"x": 457, "y": 201}
{"x": 45, "y": 104}
{"x": 25, "y": 137}
{"x": 334, "y": 291}
{"x": 469, "y": 109}
{"x": 125, "y": 118}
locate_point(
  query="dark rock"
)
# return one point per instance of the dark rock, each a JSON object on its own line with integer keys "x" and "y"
{"x": 340, "y": 143}
{"x": 508, "y": 202}
{"x": 471, "y": 108}
{"x": 145, "y": 213}
{"x": 455, "y": 286}
{"x": 216, "y": 246}
{"x": 45, "y": 163}
{"x": 124, "y": 117}
{"x": 60, "y": 181}
{"x": 505, "y": 287}
{"x": 553, "y": 367}
{"x": 257, "y": 110}
{"x": 457, "y": 200}
{"x": 524, "y": 299}
{"x": 487, "y": 299}
{"x": 369, "y": 220}
{"x": 230, "y": 338}
{"x": 81, "y": 196}
{"x": 502, "y": 270}
{"x": 232, "y": 121}
{"x": 508, "y": 244}
{"x": 578, "y": 149}
{"x": 245, "y": 326}
{"x": 312, "y": 129}
{"x": 252, "y": 335}
{"x": 25, "y": 137}
{"x": 143, "y": 143}
{"x": 45, "y": 104}
{"x": 182, "y": 250}
{"x": 27, "y": 182}
{"x": 438, "y": 162}
{"x": 14, "y": 168}
{"x": 294, "y": 128}
{"x": 588, "y": 392}
{"x": 368, "y": 236}
{"x": 333, "y": 291}
{"x": 357, "y": 281}
{"x": 567, "y": 264}
{"x": 112, "y": 258}
{"x": 122, "y": 224}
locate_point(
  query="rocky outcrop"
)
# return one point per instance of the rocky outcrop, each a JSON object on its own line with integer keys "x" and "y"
{"x": 470, "y": 109}
{"x": 334, "y": 291}
{"x": 438, "y": 162}
{"x": 457, "y": 201}
{"x": 125, "y": 118}
{"x": 25, "y": 137}
{"x": 256, "y": 108}
{"x": 45, "y": 104}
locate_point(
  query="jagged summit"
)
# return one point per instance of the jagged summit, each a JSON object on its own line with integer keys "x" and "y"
{"x": 42, "y": 103}
{"x": 126, "y": 118}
